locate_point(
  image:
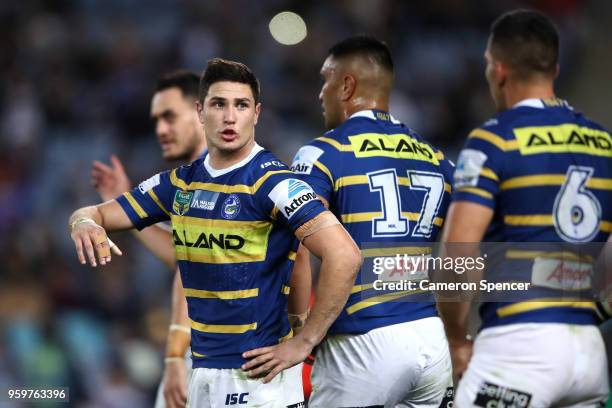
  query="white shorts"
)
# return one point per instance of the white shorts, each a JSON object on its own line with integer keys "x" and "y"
{"x": 536, "y": 365}
{"x": 160, "y": 401}
{"x": 403, "y": 365}
{"x": 216, "y": 388}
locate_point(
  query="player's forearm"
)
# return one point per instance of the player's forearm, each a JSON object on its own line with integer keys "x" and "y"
{"x": 337, "y": 277}
{"x": 159, "y": 241}
{"x": 90, "y": 212}
{"x": 179, "y": 333}
{"x": 301, "y": 283}
{"x": 455, "y": 318}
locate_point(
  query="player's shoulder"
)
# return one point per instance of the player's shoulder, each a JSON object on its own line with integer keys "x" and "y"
{"x": 265, "y": 165}
{"x": 186, "y": 172}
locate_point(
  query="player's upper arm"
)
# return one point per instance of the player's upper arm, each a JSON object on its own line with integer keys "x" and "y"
{"x": 315, "y": 164}
{"x": 150, "y": 201}
{"x": 479, "y": 168}
{"x": 466, "y": 222}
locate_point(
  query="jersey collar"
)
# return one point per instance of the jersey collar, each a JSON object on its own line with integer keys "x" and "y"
{"x": 219, "y": 172}
{"x": 530, "y": 102}
{"x": 370, "y": 115}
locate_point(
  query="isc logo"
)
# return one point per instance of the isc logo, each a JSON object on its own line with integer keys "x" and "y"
{"x": 234, "y": 399}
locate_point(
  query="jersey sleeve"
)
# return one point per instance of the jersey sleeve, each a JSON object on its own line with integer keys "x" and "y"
{"x": 479, "y": 168}
{"x": 150, "y": 202}
{"x": 288, "y": 199}
{"x": 315, "y": 163}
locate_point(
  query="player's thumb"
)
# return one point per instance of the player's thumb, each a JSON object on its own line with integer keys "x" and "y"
{"x": 114, "y": 247}
{"x": 116, "y": 162}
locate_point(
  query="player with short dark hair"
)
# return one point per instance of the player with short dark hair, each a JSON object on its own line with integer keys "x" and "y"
{"x": 536, "y": 172}
{"x": 234, "y": 215}
{"x": 390, "y": 189}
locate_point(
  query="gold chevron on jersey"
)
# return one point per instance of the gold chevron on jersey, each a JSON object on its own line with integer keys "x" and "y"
{"x": 223, "y": 188}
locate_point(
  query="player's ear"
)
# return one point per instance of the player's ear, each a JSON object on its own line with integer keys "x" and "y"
{"x": 501, "y": 73}
{"x": 557, "y": 71}
{"x": 349, "y": 84}
{"x": 200, "y": 110}
{"x": 257, "y": 112}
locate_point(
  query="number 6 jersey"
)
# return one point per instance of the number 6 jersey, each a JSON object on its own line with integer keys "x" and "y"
{"x": 390, "y": 189}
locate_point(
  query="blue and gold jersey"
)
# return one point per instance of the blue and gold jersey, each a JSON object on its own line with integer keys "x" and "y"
{"x": 391, "y": 190}
{"x": 235, "y": 247}
{"x": 546, "y": 171}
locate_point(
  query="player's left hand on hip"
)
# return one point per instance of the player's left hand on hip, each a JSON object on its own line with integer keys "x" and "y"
{"x": 269, "y": 361}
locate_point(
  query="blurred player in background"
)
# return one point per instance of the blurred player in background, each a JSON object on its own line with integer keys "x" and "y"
{"x": 234, "y": 213}
{"x": 536, "y": 172}
{"x": 389, "y": 187}
{"x": 181, "y": 137}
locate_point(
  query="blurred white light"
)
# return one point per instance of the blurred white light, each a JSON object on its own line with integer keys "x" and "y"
{"x": 288, "y": 28}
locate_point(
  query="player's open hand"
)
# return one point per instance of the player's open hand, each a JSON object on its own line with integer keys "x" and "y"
{"x": 175, "y": 384}
{"x": 92, "y": 243}
{"x": 110, "y": 181}
{"x": 461, "y": 353}
{"x": 269, "y": 361}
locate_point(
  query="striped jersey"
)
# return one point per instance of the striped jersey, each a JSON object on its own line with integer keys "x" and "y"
{"x": 546, "y": 171}
{"x": 391, "y": 190}
{"x": 234, "y": 242}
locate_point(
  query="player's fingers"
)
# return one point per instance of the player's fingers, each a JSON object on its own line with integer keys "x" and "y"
{"x": 273, "y": 373}
{"x": 257, "y": 361}
{"x": 263, "y": 369}
{"x": 114, "y": 248}
{"x": 181, "y": 393}
{"x": 117, "y": 163}
{"x": 102, "y": 248}
{"x": 256, "y": 352}
{"x": 89, "y": 250}
{"x": 101, "y": 167}
{"x": 79, "y": 249}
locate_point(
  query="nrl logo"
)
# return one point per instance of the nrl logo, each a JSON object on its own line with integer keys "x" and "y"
{"x": 181, "y": 202}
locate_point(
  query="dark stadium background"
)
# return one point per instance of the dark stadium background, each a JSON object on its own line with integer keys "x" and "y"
{"x": 77, "y": 77}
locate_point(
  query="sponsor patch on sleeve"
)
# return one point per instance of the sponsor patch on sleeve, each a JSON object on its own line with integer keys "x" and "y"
{"x": 305, "y": 159}
{"x": 290, "y": 195}
{"x": 469, "y": 166}
{"x": 149, "y": 183}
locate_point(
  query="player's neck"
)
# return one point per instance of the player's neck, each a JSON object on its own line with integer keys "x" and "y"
{"x": 519, "y": 91}
{"x": 361, "y": 103}
{"x": 220, "y": 160}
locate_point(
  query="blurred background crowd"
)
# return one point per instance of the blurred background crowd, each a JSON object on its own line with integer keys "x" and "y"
{"x": 77, "y": 77}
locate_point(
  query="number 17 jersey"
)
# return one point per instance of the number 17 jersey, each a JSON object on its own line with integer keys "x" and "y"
{"x": 390, "y": 189}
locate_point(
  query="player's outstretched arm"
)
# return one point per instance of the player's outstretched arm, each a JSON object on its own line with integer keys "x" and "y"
{"x": 465, "y": 222}
{"x": 340, "y": 262}
{"x": 88, "y": 227}
{"x": 179, "y": 339}
{"x": 111, "y": 181}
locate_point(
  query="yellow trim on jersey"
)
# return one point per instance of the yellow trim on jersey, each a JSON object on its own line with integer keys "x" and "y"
{"x": 198, "y": 355}
{"x": 223, "y": 328}
{"x": 141, "y": 213}
{"x": 535, "y": 219}
{"x": 285, "y": 290}
{"x": 223, "y": 188}
{"x": 286, "y": 337}
{"x": 339, "y": 146}
{"x": 496, "y": 140}
{"x": 369, "y": 216}
{"x": 531, "y": 305}
{"x": 375, "y": 252}
{"x": 292, "y": 255}
{"x": 222, "y": 294}
{"x": 605, "y": 226}
{"x": 324, "y": 169}
{"x": 376, "y": 300}
{"x": 476, "y": 191}
{"x": 564, "y": 138}
{"x": 488, "y": 173}
{"x": 220, "y": 241}
{"x": 157, "y": 201}
{"x": 552, "y": 180}
{"x": 359, "y": 180}
{"x": 361, "y": 288}
{"x": 561, "y": 255}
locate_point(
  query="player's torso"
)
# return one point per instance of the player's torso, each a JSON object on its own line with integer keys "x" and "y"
{"x": 234, "y": 263}
{"x": 391, "y": 191}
